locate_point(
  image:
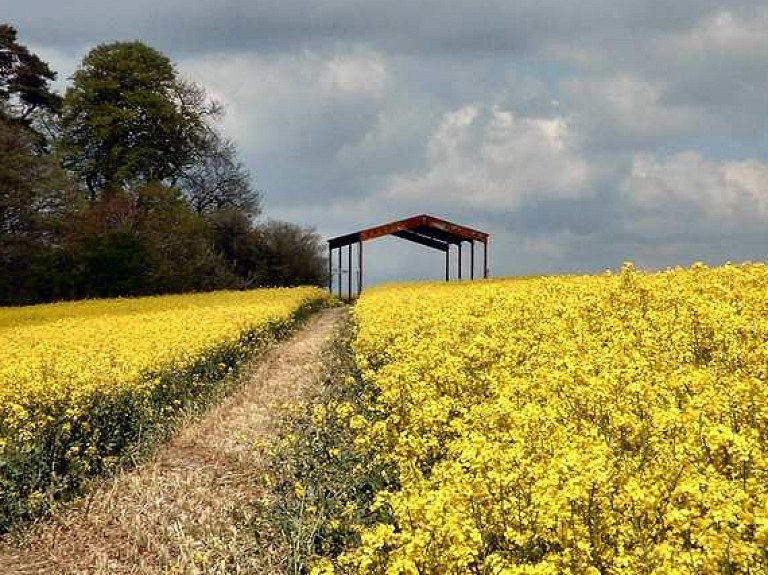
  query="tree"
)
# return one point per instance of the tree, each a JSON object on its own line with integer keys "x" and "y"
{"x": 293, "y": 255}
{"x": 35, "y": 201}
{"x": 181, "y": 249}
{"x": 217, "y": 181}
{"x": 271, "y": 254}
{"x": 129, "y": 119}
{"x": 24, "y": 81}
{"x": 140, "y": 242}
{"x": 235, "y": 238}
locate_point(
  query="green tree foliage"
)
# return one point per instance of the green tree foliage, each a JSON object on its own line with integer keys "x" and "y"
{"x": 183, "y": 255}
{"x": 129, "y": 119}
{"x": 271, "y": 254}
{"x": 112, "y": 265}
{"x": 169, "y": 208}
{"x": 236, "y": 239}
{"x": 35, "y": 203}
{"x": 145, "y": 241}
{"x": 293, "y": 255}
{"x": 24, "y": 81}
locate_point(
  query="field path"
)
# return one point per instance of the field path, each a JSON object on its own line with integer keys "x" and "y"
{"x": 191, "y": 508}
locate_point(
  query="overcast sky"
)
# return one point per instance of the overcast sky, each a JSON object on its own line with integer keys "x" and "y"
{"x": 579, "y": 133}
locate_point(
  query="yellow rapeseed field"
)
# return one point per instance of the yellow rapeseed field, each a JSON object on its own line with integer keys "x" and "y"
{"x": 82, "y": 383}
{"x": 613, "y": 424}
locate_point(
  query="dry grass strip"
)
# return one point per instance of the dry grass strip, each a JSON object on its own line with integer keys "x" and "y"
{"x": 192, "y": 508}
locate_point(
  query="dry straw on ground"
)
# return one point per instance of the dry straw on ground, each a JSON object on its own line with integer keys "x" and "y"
{"x": 193, "y": 507}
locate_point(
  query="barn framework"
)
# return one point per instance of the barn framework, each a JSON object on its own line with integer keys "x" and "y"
{"x": 425, "y": 230}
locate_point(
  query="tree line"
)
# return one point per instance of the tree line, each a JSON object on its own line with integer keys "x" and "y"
{"x": 125, "y": 185}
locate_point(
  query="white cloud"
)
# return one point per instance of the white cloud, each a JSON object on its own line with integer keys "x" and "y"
{"x": 726, "y": 191}
{"x": 726, "y": 33}
{"x": 623, "y": 109}
{"x": 302, "y": 119}
{"x": 355, "y": 74}
{"x": 283, "y": 100}
{"x": 489, "y": 157}
{"x": 63, "y": 63}
{"x": 704, "y": 76}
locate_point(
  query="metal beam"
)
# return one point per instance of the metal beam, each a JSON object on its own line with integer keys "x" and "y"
{"x": 462, "y": 232}
{"x": 438, "y": 235}
{"x": 440, "y": 229}
{"x": 391, "y": 228}
{"x": 420, "y": 239}
{"x": 342, "y": 241}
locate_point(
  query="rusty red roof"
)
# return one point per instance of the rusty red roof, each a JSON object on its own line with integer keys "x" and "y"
{"x": 423, "y": 229}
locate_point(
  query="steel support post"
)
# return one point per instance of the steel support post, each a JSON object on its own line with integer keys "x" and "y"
{"x": 349, "y": 272}
{"x": 339, "y": 270}
{"x": 360, "y": 267}
{"x": 472, "y": 259}
{"x": 330, "y": 269}
{"x": 459, "y": 246}
{"x": 485, "y": 259}
{"x": 448, "y": 263}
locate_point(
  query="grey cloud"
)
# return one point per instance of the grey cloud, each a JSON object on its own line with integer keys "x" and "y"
{"x": 331, "y": 101}
{"x": 712, "y": 69}
{"x": 395, "y": 26}
{"x": 627, "y": 112}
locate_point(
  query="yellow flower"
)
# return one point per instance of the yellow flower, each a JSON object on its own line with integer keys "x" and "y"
{"x": 67, "y": 367}
{"x": 583, "y": 424}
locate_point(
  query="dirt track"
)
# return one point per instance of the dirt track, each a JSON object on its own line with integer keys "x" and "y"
{"x": 190, "y": 509}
